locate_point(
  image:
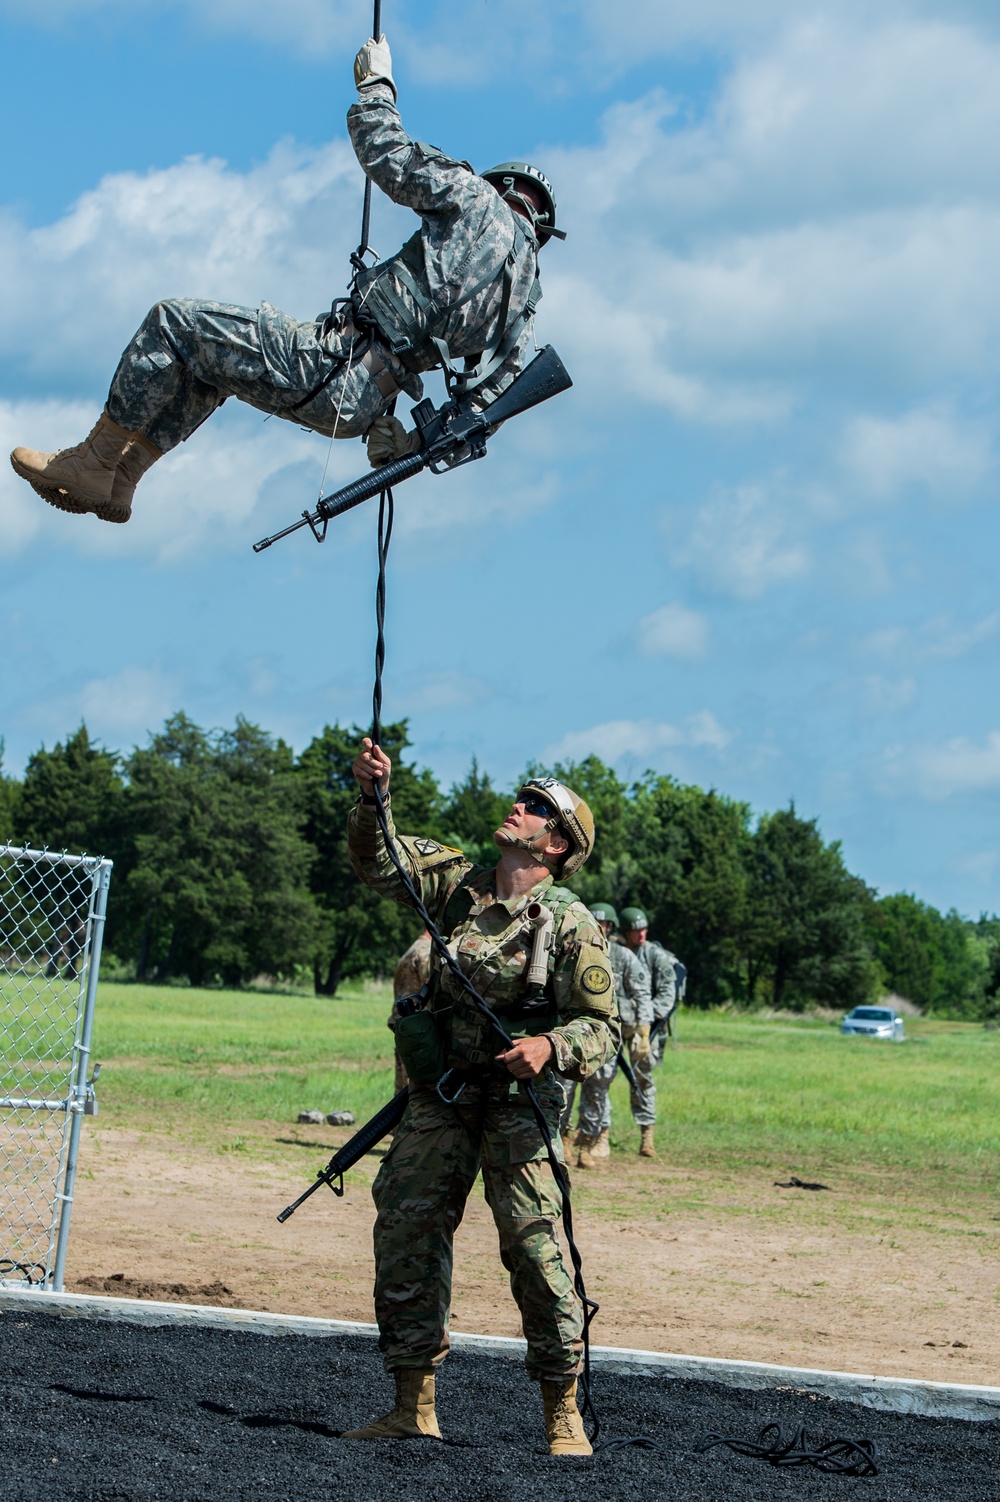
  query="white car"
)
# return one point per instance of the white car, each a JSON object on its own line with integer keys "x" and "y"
{"x": 874, "y": 1022}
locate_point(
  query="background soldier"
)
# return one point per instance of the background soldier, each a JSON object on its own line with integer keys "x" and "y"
{"x": 412, "y": 972}
{"x": 635, "y": 1008}
{"x": 464, "y": 287}
{"x": 564, "y": 1029}
{"x": 663, "y": 968}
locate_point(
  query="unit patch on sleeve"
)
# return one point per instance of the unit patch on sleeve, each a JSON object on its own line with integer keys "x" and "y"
{"x": 595, "y": 979}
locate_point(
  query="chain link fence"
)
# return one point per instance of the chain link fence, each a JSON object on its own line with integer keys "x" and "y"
{"x": 51, "y": 923}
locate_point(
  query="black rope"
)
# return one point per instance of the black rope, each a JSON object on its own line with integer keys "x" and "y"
{"x": 358, "y": 256}
{"x": 836, "y": 1457}
{"x": 559, "y": 1172}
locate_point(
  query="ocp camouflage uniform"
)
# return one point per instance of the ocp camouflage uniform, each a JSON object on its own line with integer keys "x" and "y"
{"x": 437, "y": 1150}
{"x": 189, "y": 356}
{"x": 635, "y": 1007}
{"x": 412, "y": 971}
{"x": 660, "y": 964}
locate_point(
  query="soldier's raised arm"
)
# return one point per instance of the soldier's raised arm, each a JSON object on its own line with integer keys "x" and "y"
{"x": 411, "y": 173}
{"x": 434, "y": 869}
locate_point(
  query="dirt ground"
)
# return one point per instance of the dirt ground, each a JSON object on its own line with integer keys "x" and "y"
{"x": 866, "y": 1277}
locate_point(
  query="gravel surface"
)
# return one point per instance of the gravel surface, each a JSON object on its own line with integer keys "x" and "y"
{"x": 99, "y": 1410}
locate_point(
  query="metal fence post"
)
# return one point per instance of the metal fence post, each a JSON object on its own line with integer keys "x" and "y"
{"x": 82, "y": 1099}
{"x": 52, "y": 912}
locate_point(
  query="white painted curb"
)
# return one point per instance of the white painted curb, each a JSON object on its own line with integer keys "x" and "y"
{"x": 950, "y": 1400}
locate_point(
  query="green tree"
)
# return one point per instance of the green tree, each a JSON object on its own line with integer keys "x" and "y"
{"x": 807, "y": 939}
{"x": 359, "y": 933}
{"x": 10, "y": 802}
{"x": 689, "y": 851}
{"x": 71, "y": 797}
{"x": 217, "y": 882}
{"x": 473, "y": 810}
{"x": 939, "y": 961}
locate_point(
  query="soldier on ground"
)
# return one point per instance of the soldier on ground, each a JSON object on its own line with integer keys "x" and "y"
{"x": 565, "y": 1029}
{"x": 635, "y": 1008}
{"x": 464, "y": 287}
{"x": 668, "y": 976}
{"x": 412, "y": 972}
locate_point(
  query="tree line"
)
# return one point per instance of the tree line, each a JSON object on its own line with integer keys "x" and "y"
{"x": 231, "y": 865}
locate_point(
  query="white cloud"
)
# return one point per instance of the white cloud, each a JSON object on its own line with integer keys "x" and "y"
{"x": 673, "y": 631}
{"x": 118, "y": 708}
{"x": 617, "y": 739}
{"x": 927, "y": 447}
{"x": 936, "y": 640}
{"x": 955, "y": 767}
{"x": 745, "y": 540}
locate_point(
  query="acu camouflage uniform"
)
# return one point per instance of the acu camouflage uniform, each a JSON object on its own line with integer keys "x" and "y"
{"x": 635, "y": 1007}
{"x": 412, "y": 972}
{"x": 660, "y": 964}
{"x": 189, "y": 356}
{"x": 437, "y": 1150}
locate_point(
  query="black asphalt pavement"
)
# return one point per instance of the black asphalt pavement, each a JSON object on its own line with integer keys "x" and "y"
{"x": 95, "y": 1409}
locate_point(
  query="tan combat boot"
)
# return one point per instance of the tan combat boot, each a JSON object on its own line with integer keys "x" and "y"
{"x": 413, "y": 1416}
{"x": 646, "y": 1148}
{"x": 602, "y": 1145}
{"x": 82, "y": 478}
{"x": 138, "y": 456}
{"x": 563, "y": 1425}
{"x": 567, "y": 1145}
{"x": 585, "y": 1150}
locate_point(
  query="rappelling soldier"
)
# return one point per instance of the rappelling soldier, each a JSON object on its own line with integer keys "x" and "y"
{"x": 467, "y": 1111}
{"x": 635, "y": 1008}
{"x": 460, "y": 295}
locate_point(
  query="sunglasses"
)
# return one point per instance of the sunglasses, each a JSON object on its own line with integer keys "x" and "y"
{"x": 532, "y": 803}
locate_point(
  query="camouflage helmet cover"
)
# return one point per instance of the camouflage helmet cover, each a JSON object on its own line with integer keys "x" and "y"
{"x": 604, "y": 913}
{"x": 633, "y": 918}
{"x": 504, "y": 177}
{"x": 573, "y": 818}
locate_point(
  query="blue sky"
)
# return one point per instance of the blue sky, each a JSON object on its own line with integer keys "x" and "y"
{"x": 756, "y": 546}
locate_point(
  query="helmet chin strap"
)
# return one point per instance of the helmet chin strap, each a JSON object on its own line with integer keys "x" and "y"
{"x": 527, "y": 842}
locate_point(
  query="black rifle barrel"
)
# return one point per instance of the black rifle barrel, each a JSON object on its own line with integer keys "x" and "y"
{"x": 381, "y": 1124}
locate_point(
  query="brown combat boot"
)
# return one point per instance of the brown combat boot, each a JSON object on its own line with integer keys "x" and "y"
{"x": 82, "y": 478}
{"x": 138, "y": 455}
{"x": 602, "y": 1145}
{"x": 585, "y": 1150}
{"x": 563, "y": 1425}
{"x": 413, "y": 1416}
{"x": 567, "y": 1145}
{"x": 646, "y": 1148}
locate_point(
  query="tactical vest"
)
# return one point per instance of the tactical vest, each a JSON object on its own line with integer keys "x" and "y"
{"x": 467, "y": 1037}
{"x": 393, "y": 299}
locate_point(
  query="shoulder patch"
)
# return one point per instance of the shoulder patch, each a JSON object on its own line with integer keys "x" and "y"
{"x": 596, "y": 980}
{"x": 430, "y": 847}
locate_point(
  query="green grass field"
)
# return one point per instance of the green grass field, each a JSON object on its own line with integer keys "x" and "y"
{"x": 738, "y": 1091}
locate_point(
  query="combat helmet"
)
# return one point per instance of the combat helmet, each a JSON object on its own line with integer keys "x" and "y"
{"x": 632, "y": 918}
{"x": 504, "y": 178}
{"x": 573, "y": 819}
{"x": 604, "y": 913}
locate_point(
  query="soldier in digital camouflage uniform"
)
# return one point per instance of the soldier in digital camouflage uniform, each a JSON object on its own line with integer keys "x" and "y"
{"x": 464, "y": 287}
{"x": 635, "y": 1008}
{"x": 566, "y": 1030}
{"x": 412, "y": 972}
{"x": 660, "y": 963}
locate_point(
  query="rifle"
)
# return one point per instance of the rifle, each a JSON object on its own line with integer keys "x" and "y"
{"x": 450, "y": 435}
{"x": 362, "y": 1142}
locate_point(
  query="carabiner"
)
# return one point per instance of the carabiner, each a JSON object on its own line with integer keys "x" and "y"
{"x": 449, "y": 1100}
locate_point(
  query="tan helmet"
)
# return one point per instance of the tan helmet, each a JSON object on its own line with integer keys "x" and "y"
{"x": 574, "y": 819}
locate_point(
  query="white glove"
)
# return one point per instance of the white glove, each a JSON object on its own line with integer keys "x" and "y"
{"x": 373, "y": 64}
{"x": 388, "y": 439}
